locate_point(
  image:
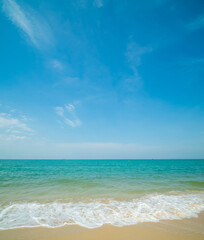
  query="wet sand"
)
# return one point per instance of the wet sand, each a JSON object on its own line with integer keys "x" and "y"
{"x": 187, "y": 229}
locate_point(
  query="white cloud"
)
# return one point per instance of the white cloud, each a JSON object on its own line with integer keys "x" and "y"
{"x": 34, "y": 26}
{"x": 70, "y": 107}
{"x": 15, "y": 137}
{"x": 13, "y": 127}
{"x": 7, "y": 122}
{"x": 98, "y": 3}
{"x": 12, "y": 131}
{"x": 73, "y": 123}
{"x": 4, "y": 114}
{"x": 67, "y": 113}
{"x": 59, "y": 111}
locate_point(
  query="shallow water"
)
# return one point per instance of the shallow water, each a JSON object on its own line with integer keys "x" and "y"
{"x": 93, "y": 192}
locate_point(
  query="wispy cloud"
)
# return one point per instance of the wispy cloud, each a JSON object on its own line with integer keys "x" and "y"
{"x": 33, "y": 25}
{"x": 13, "y": 128}
{"x": 60, "y": 111}
{"x": 56, "y": 64}
{"x": 8, "y": 122}
{"x": 16, "y": 137}
{"x": 133, "y": 55}
{"x": 134, "y": 81}
{"x": 68, "y": 114}
{"x": 63, "y": 72}
{"x": 197, "y": 23}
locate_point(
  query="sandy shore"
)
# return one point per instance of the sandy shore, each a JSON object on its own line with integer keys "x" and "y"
{"x": 189, "y": 229}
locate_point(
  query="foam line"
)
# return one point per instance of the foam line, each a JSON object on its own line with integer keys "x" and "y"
{"x": 96, "y": 213}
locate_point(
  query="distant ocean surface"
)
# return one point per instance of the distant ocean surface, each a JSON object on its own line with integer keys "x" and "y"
{"x": 91, "y": 193}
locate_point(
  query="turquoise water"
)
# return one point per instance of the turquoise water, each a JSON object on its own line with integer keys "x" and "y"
{"x": 91, "y": 193}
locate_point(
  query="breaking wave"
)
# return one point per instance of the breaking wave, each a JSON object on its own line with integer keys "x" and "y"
{"x": 96, "y": 213}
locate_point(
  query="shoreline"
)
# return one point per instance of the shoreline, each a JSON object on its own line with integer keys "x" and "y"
{"x": 189, "y": 229}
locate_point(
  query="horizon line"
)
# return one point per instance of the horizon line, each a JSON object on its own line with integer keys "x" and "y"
{"x": 101, "y": 159}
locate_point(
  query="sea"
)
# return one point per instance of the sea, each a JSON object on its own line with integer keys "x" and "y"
{"x": 91, "y": 193}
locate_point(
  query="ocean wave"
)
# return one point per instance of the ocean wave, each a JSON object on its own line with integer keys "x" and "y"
{"x": 96, "y": 213}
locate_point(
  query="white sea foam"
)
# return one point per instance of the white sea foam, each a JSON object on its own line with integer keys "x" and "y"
{"x": 93, "y": 214}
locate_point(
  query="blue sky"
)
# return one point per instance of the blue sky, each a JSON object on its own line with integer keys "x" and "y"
{"x": 101, "y": 79}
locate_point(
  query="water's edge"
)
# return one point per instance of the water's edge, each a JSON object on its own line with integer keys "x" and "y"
{"x": 92, "y": 214}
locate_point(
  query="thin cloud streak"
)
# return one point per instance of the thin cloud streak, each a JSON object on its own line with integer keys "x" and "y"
{"x": 133, "y": 55}
{"x": 32, "y": 25}
{"x": 68, "y": 115}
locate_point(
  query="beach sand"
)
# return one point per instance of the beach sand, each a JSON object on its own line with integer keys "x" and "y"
{"x": 189, "y": 229}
